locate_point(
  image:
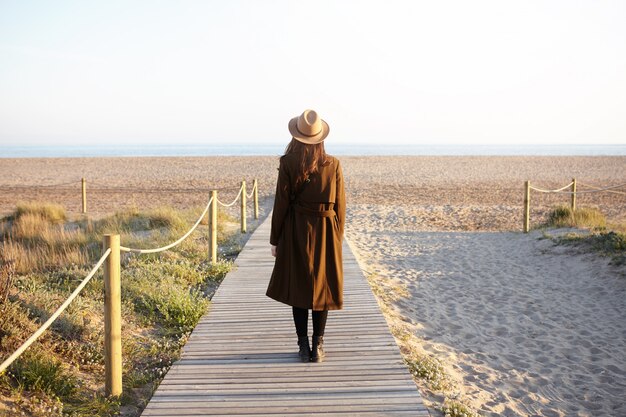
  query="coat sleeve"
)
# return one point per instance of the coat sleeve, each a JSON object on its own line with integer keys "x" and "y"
{"x": 340, "y": 199}
{"x": 281, "y": 203}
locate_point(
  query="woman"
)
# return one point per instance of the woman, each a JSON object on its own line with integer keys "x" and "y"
{"x": 307, "y": 232}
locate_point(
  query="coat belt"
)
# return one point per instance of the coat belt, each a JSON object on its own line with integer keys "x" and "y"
{"x": 311, "y": 212}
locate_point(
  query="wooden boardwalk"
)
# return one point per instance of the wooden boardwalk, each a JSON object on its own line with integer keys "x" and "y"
{"x": 241, "y": 359}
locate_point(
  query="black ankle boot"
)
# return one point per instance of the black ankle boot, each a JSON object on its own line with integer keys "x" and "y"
{"x": 305, "y": 349}
{"x": 317, "y": 351}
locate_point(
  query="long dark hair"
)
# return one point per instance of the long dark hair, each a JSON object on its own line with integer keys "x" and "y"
{"x": 311, "y": 158}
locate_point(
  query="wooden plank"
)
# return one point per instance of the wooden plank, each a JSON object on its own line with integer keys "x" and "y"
{"x": 241, "y": 359}
{"x": 262, "y": 390}
{"x": 203, "y": 412}
{"x": 372, "y": 404}
{"x": 284, "y": 368}
{"x": 285, "y": 396}
{"x": 262, "y": 379}
{"x": 251, "y": 402}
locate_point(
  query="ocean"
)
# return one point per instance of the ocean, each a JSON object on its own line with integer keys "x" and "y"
{"x": 332, "y": 148}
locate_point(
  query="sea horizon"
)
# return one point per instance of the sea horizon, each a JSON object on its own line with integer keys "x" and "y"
{"x": 247, "y": 149}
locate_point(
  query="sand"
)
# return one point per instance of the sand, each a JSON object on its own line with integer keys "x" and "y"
{"x": 527, "y": 328}
{"x": 429, "y": 192}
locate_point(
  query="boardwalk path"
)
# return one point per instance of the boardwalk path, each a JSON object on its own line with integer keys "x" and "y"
{"x": 242, "y": 359}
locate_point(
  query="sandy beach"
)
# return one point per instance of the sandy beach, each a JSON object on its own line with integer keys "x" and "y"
{"x": 526, "y": 327}
{"x": 427, "y": 192}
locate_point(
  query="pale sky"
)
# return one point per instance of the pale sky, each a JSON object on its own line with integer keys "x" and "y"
{"x": 203, "y": 72}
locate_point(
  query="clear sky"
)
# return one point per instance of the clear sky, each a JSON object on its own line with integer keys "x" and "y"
{"x": 200, "y": 72}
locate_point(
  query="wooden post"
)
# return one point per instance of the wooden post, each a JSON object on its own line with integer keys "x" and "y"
{"x": 112, "y": 318}
{"x": 255, "y": 185}
{"x": 213, "y": 228}
{"x": 573, "y": 194}
{"x": 527, "y": 207}
{"x": 84, "y": 187}
{"x": 243, "y": 206}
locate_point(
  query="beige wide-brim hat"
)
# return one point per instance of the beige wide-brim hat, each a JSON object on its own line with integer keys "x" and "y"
{"x": 308, "y": 128}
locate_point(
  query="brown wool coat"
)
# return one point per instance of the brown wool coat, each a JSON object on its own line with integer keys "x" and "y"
{"x": 308, "y": 232}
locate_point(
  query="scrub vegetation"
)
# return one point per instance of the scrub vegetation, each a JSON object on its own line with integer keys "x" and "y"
{"x": 564, "y": 216}
{"x": 604, "y": 238}
{"x": 43, "y": 257}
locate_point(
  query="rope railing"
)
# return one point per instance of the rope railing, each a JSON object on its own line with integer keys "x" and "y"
{"x": 594, "y": 190}
{"x": 54, "y": 315}
{"x": 573, "y": 192}
{"x": 171, "y": 245}
{"x": 112, "y": 286}
{"x": 104, "y": 188}
{"x": 600, "y": 189}
{"x": 100, "y": 187}
{"x": 113, "y": 189}
{"x": 253, "y": 190}
{"x": 57, "y": 185}
{"x": 541, "y": 190}
{"x": 232, "y": 202}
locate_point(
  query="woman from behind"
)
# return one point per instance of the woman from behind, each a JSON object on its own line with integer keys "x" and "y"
{"x": 307, "y": 232}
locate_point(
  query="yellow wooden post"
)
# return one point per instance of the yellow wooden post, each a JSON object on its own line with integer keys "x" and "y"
{"x": 213, "y": 228}
{"x": 527, "y": 207}
{"x": 573, "y": 194}
{"x": 84, "y": 188}
{"x": 256, "y": 198}
{"x": 112, "y": 318}
{"x": 243, "y": 206}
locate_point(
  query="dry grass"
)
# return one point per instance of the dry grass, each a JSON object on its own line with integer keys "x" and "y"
{"x": 564, "y": 216}
{"x": 32, "y": 258}
{"x": 44, "y": 256}
{"x": 134, "y": 220}
{"x": 35, "y": 239}
{"x": 7, "y": 277}
{"x": 605, "y": 239}
{"x": 54, "y": 213}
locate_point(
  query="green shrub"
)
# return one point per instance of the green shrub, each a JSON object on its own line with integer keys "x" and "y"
{"x": 15, "y": 326}
{"x": 161, "y": 292}
{"x": 455, "y": 408}
{"x": 184, "y": 272}
{"x": 176, "y": 308}
{"x": 611, "y": 244}
{"x": 155, "y": 357}
{"x": 217, "y": 271}
{"x": 90, "y": 354}
{"x": 37, "y": 371}
{"x": 95, "y": 405}
{"x": 429, "y": 369}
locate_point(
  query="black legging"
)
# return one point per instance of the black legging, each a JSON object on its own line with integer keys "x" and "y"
{"x": 301, "y": 319}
